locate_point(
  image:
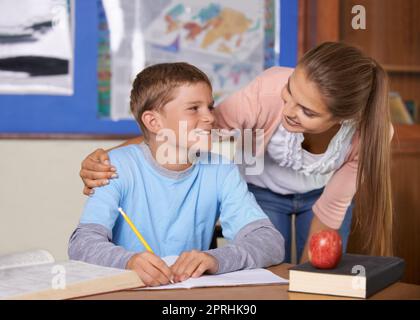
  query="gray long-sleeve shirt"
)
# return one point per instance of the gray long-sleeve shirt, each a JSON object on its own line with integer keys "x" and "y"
{"x": 256, "y": 245}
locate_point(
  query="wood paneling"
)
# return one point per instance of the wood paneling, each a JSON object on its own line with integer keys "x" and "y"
{"x": 392, "y": 37}
{"x": 318, "y": 22}
{"x": 392, "y": 32}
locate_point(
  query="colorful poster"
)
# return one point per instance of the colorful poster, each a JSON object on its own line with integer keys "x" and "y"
{"x": 232, "y": 41}
{"x": 231, "y": 30}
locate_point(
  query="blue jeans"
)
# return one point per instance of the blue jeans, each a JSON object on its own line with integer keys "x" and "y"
{"x": 280, "y": 208}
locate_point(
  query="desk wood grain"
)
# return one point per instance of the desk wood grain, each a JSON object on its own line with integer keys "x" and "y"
{"x": 397, "y": 291}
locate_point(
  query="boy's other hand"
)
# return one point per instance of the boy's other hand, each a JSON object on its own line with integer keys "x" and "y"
{"x": 96, "y": 171}
{"x": 151, "y": 269}
{"x": 193, "y": 264}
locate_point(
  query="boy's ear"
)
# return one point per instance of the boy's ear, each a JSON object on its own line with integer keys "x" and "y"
{"x": 152, "y": 121}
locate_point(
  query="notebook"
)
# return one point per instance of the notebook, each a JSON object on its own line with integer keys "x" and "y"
{"x": 36, "y": 275}
{"x": 356, "y": 276}
{"x": 237, "y": 278}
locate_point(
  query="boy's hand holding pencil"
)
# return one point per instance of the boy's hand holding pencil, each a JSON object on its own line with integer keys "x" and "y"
{"x": 155, "y": 272}
{"x": 151, "y": 269}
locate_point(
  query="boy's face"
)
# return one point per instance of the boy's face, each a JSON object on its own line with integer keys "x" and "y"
{"x": 190, "y": 116}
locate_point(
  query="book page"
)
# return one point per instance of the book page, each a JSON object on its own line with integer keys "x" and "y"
{"x": 28, "y": 258}
{"x": 25, "y": 280}
{"x": 237, "y": 278}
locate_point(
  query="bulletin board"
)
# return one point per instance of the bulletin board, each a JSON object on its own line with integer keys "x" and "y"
{"x": 77, "y": 115}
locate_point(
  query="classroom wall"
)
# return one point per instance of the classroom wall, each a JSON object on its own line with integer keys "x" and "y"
{"x": 41, "y": 192}
{"x": 41, "y": 196}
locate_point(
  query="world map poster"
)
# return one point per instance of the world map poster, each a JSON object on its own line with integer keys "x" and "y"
{"x": 231, "y": 41}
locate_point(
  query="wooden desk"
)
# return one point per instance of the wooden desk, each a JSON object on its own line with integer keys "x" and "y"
{"x": 397, "y": 291}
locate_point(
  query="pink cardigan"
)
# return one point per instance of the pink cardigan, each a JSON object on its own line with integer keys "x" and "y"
{"x": 259, "y": 106}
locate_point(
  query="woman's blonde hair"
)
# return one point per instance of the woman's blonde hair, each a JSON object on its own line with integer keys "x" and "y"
{"x": 355, "y": 86}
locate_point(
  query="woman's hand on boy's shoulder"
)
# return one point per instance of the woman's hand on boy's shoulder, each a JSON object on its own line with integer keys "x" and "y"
{"x": 193, "y": 264}
{"x": 96, "y": 171}
{"x": 151, "y": 269}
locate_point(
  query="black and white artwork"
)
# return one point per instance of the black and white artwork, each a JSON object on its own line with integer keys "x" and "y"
{"x": 36, "y": 47}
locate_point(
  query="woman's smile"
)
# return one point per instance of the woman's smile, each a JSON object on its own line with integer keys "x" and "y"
{"x": 291, "y": 122}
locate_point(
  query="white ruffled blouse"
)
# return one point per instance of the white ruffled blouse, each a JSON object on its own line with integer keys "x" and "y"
{"x": 286, "y": 149}
{"x": 288, "y": 168}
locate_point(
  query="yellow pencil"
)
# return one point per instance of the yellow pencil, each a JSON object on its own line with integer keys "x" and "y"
{"x": 139, "y": 236}
{"x": 135, "y": 230}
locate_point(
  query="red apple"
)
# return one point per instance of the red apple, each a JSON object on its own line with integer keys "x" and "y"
{"x": 325, "y": 248}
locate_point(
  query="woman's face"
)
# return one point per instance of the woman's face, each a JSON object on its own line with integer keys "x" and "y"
{"x": 304, "y": 108}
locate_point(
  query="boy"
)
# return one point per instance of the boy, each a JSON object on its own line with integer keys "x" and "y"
{"x": 174, "y": 204}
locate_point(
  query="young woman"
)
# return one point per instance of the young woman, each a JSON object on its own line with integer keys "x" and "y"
{"x": 327, "y": 133}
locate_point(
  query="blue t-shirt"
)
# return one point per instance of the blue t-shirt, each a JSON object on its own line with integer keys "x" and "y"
{"x": 174, "y": 211}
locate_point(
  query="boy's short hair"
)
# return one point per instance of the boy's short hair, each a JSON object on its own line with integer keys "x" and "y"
{"x": 155, "y": 85}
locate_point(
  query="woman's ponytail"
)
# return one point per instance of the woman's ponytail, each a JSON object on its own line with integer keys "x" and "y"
{"x": 355, "y": 87}
{"x": 374, "y": 197}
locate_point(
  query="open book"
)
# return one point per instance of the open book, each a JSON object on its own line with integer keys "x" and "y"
{"x": 36, "y": 275}
{"x": 237, "y": 278}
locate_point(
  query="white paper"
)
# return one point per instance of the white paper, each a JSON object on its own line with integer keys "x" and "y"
{"x": 237, "y": 278}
